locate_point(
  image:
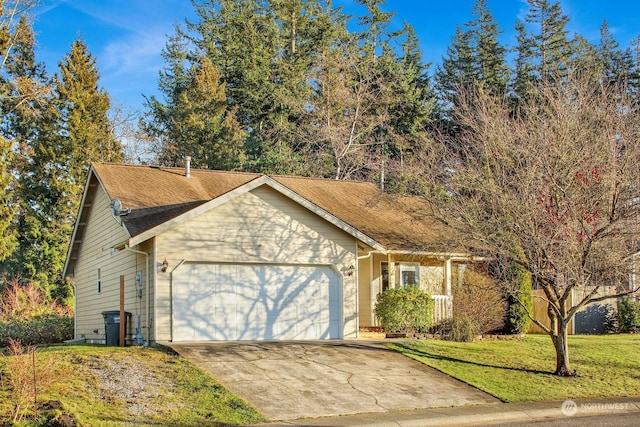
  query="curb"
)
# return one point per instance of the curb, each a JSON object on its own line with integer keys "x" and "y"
{"x": 477, "y": 414}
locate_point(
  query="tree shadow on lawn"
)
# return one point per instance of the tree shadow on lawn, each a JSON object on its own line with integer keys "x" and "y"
{"x": 409, "y": 350}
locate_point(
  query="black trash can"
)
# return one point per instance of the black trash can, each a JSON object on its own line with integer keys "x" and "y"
{"x": 112, "y": 326}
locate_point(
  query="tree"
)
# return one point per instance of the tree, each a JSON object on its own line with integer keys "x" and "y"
{"x": 8, "y": 235}
{"x": 458, "y": 68}
{"x": 544, "y": 50}
{"x": 200, "y": 125}
{"x": 490, "y": 54}
{"x": 553, "y": 189}
{"x": 73, "y": 130}
{"x": 24, "y": 89}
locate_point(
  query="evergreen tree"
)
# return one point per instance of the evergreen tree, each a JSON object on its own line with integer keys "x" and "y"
{"x": 83, "y": 112}
{"x": 73, "y": 130}
{"x": 172, "y": 82}
{"x": 8, "y": 235}
{"x": 201, "y": 125}
{"x": 490, "y": 55}
{"x": 475, "y": 56}
{"x": 457, "y": 70}
{"x": 545, "y": 51}
{"x": 311, "y": 97}
{"x": 616, "y": 64}
{"x": 239, "y": 38}
{"x": 25, "y": 87}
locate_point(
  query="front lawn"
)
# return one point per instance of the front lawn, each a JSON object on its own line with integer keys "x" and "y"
{"x": 520, "y": 370}
{"x": 112, "y": 386}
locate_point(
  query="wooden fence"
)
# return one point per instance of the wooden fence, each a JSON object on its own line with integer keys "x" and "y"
{"x": 589, "y": 320}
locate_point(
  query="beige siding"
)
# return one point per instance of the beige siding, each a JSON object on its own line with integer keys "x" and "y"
{"x": 365, "y": 297}
{"x": 103, "y": 233}
{"x": 432, "y": 280}
{"x": 261, "y": 226}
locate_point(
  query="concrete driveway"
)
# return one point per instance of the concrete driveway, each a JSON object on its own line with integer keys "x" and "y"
{"x": 291, "y": 380}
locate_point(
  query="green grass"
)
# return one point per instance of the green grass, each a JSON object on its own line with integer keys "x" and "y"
{"x": 520, "y": 370}
{"x": 93, "y": 382}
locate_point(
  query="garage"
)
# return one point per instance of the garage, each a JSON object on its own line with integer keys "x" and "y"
{"x": 216, "y": 301}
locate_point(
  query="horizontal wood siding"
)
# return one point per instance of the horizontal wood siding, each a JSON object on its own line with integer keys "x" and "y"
{"x": 101, "y": 234}
{"x": 365, "y": 282}
{"x": 261, "y": 226}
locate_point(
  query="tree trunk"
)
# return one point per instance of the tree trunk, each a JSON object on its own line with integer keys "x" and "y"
{"x": 561, "y": 344}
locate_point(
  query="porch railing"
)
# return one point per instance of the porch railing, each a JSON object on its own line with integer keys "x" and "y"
{"x": 443, "y": 308}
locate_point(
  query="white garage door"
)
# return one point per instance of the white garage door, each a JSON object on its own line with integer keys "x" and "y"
{"x": 255, "y": 302}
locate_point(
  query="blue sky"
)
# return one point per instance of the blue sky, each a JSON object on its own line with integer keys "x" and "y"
{"x": 127, "y": 36}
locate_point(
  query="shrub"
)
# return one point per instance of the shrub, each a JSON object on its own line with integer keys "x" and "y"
{"x": 27, "y": 377}
{"x": 628, "y": 315}
{"x": 405, "y": 309}
{"x": 459, "y": 328}
{"x": 518, "y": 320}
{"x": 478, "y": 304}
{"x": 27, "y": 317}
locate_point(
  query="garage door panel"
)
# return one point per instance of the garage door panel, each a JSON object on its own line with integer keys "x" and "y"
{"x": 255, "y": 302}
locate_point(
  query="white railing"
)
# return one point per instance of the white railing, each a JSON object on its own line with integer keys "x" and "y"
{"x": 443, "y": 308}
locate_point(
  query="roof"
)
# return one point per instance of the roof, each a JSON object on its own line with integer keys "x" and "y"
{"x": 157, "y": 196}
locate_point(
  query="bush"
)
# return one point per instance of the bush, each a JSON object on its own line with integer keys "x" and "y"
{"x": 27, "y": 317}
{"x": 405, "y": 309}
{"x": 478, "y": 305}
{"x": 628, "y": 315}
{"x": 518, "y": 320}
{"x": 459, "y": 328}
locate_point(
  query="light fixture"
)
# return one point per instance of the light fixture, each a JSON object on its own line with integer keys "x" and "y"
{"x": 350, "y": 270}
{"x": 164, "y": 266}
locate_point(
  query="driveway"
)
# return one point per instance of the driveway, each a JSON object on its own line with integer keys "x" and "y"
{"x": 291, "y": 380}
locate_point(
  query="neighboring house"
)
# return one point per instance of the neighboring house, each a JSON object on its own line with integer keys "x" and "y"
{"x": 210, "y": 255}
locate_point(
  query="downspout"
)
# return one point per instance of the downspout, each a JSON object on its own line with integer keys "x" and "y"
{"x": 75, "y": 311}
{"x": 146, "y": 279}
{"x": 357, "y": 280}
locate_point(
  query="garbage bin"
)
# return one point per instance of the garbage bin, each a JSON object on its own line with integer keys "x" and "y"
{"x": 112, "y": 326}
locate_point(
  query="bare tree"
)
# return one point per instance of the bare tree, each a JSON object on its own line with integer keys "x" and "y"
{"x": 552, "y": 186}
{"x": 138, "y": 146}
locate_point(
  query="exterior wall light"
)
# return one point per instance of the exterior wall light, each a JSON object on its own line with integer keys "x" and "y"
{"x": 164, "y": 266}
{"x": 350, "y": 270}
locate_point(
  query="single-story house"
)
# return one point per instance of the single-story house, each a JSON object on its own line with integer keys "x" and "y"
{"x": 212, "y": 255}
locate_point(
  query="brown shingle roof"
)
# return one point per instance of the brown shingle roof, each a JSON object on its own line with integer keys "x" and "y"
{"x": 157, "y": 195}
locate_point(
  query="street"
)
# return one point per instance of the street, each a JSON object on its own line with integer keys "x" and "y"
{"x": 623, "y": 419}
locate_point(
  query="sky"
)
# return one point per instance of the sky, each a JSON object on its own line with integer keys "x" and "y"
{"x": 126, "y": 37}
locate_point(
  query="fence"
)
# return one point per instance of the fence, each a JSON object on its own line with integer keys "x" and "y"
{"x": 591, "y": 319}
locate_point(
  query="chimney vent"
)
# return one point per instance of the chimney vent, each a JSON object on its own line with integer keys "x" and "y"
{"x": 187, "y": 167}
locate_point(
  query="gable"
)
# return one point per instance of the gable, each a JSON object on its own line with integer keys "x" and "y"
{"x": 96, "y": 229}
{"x": 260, "y": 226}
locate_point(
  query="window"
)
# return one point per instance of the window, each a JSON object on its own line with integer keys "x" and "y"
{"x": 384, "y": 276}
{"x": 99, "y": 282}
{"x": 409, "y": 274}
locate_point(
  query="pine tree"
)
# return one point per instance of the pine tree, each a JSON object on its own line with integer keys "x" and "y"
{"x": 8, "y": 235}
{"x": 490, "y": 55}
{"x": 73, "y": 130}
{"x": 545, "y": 52}
{"x": 202, "y": 126}
{"x": 25, "y": 87}
{"x": 616, "y": 64}
{"x": 458, "y": 69}
{"x": 475, "y": 56}
{"x": 84, "y": 111}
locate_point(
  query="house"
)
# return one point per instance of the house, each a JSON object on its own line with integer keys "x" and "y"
{"x": 211, "y": 255}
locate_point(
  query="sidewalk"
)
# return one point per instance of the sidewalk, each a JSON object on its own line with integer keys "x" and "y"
{"x": 477, "y": 414}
